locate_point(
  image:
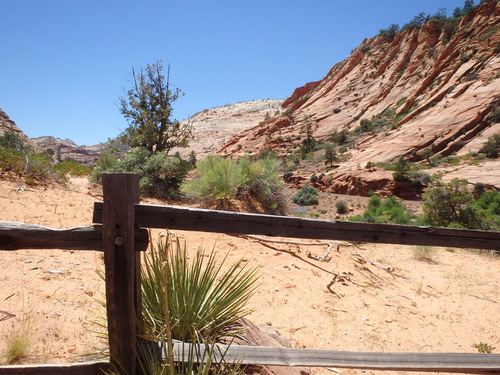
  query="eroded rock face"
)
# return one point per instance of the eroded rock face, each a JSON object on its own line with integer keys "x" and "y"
{"x": 66, "y": 149}
{"x": 431, "y": 89}
{"x": 6, "y": 124}
{"x": 212, "y": 128}
{"x": 62, "y": 149}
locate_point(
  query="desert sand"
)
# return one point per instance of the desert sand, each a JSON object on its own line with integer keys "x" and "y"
{"x": 362, "y": 297}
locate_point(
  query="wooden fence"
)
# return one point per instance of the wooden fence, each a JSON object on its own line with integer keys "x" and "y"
{"x": 121, "y": 238}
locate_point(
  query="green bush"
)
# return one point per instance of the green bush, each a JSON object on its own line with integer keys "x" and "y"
{"x": 339, "y": 137}
{"x": 159, "y": 175}
{"x": 452, "y": 205}
{"x": 491, "y": 148}
{"x": 39, "y": 167}
{"x": 107, "y": 162}
{"x": 307, "y": 196}
{"x": 217, "y": 178}
{"x": 11, "y": 160}
{"x": 446, "y": 203}
{"x": 73, "y": 168}
{"x": 389, "y": 210}
{"x": 341, "y": 207}
{"x": 401, "y": 170}
{"x": 221, "y": 178}
{"x": 263, "y": 182}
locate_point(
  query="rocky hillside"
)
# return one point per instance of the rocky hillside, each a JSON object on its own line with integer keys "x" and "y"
{"x": 65, "y": 149}
{"x": 62, "y": 149}
{"x": 433, "y": 88}
{"x": 6, "y": 125}
{"x": 212, "y": 128}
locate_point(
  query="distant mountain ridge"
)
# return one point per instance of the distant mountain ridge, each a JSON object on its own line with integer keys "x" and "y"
{"x": 66, "y": 149}
{"x": 63, "y": 149}
{"x": 211, "y": 129}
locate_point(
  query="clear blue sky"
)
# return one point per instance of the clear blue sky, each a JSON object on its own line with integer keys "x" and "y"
{"x": 65, "y": 63}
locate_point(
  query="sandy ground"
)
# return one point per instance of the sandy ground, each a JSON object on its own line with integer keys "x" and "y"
{"x": 343, "y": 303}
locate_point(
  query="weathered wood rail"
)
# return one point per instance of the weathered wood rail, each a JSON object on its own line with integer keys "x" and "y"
{"x": 422, "y": 362}
{"x": 196, "y": 219}
{"x": 121, "y": 238}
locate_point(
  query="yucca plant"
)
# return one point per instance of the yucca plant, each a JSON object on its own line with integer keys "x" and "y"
{"x": 196, "y": 362}
{"x": 204, "y": 301}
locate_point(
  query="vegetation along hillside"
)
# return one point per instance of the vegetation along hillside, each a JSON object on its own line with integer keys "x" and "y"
{"x": 428, "y": 92}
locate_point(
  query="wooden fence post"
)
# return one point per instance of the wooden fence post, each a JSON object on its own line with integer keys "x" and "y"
{"x": 120, "y": 192}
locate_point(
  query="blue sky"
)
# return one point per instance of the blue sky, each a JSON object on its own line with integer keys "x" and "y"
{"x": 65, "y": 63}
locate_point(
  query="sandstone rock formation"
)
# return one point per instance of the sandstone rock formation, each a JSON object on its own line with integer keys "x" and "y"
{"x": 66, "y": 149}
{"x": 6, "y": 124}
{"x": 212, "y": 128}
{"x": 428, "y": 88}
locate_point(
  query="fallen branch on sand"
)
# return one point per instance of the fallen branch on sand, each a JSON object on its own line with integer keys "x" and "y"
{"x": 321, "y": 243}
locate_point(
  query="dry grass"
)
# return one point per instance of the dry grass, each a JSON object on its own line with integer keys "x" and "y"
{"x": 424, "y": 253}
{"x": 18, "y": 343}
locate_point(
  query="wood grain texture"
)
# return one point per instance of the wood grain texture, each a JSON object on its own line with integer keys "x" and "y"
{"x": 120, "y": 192}
{"x": 16, "y": 236}
{"x": 84, "y": 368}
{"x": 422, "y": 362}
{"x": 150, "y": 216}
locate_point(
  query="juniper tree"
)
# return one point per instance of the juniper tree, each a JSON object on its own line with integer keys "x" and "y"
{"x": 148, "y": 109}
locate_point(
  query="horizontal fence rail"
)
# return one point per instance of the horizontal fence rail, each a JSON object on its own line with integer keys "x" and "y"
{"x": 15, "y": 236}
{"x": 83, "y": 368}
{"x": 262, "y": 355}
{"x": 202, "y": 220}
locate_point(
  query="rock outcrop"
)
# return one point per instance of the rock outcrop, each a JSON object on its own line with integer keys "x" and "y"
{"x": 66, "y": 149}
{"x": 6, "y": 125}
{"x": 427, "y": 89}
{"x": 212, "y": 128}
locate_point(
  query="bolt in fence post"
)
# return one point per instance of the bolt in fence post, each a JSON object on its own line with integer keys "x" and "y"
{"x": 120, "y": 192}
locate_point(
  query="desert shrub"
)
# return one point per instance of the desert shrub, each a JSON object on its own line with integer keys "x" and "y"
{"x": 287, "y": 175}
{"x": 307, "y": 196}
{"x": 12, "y": 141}
{"x": 220, "y": 178}
{"x": 38, "y": 167}
{"x": 479, "y": 189}
{"x": 366, "y": 125}
{"x": 491, "y": 148}
{"x": 446, "y": 203}
{"x": 389, "y": 33}
{"x": 339, "y": 137}
{"x": 73, "y": 168}
{"x": 390, "y": 210}
{"x": 17, "y": 343}
{"x": 160, "y": 175}
{"x": 342, "y": 207}
{"x": 11, "y": 160}
{"x": 419, "y": 178}
{"x": 263, "y": 182}
{"x": 483, "y": 347}
{"x": 452, "y": 205}
{"x": 401, "y": 170}
{"x": 424, "y": 253}
{"x": 330, "y": 154}
{"x": 14, "y": 152}
{"x": 107, "y": 162}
